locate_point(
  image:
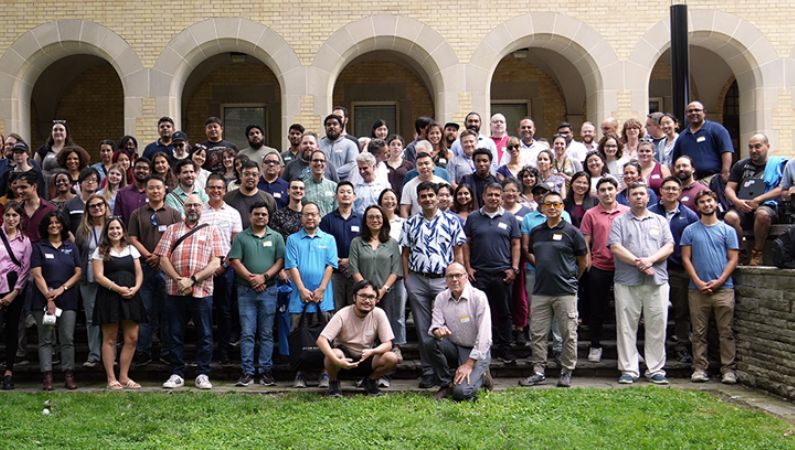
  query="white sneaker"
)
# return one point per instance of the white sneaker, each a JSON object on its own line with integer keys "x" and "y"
{"x": 203, "y": 382}
{"x": 595, "y": 355}
{"x": 173, "y": 382}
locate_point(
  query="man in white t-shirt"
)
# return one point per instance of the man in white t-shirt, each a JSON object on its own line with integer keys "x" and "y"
{"x": 352, "y": 332}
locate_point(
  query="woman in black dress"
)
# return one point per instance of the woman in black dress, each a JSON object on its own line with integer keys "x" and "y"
{"x": 117, "y": 270}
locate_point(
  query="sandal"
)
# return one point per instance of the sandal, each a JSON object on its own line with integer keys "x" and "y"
{"x": 115, "y": 386}
{"x": 130, "y": 384}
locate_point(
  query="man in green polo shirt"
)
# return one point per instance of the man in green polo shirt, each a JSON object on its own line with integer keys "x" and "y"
{"x": 257, "y": 256}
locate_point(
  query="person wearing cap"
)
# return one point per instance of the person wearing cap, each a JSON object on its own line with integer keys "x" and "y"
{"x": 450, "y": 134}
{"x": 257, "y": 150}
{"x": 180, "y": 148}
{"x": 164, "y": 143}
{"x": 21, "y": 162}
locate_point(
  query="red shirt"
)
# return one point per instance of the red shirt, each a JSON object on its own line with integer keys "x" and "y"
{"x": 596, "y": 224}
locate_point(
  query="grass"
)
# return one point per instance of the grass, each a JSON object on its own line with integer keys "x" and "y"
{"x": 576, "y": 418}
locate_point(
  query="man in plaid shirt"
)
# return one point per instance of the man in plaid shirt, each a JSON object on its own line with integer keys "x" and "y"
{"x": 189, "y": 266}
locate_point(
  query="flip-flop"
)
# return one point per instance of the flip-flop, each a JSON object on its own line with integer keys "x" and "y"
{"x": 130, "y": 384}
{"x": 115, "y": 386}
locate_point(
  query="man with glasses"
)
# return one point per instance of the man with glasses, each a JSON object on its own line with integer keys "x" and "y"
{"x": 146, "y": 227}
{"x": 190, "y": 254}
{"x": 641, "y": 243}
{"x": 348, "y": 342}
{"x": 562, "y": 249}
{"x": 320, "y": 189}
{"x": 89, "y": 185}
{"x": 271, "y": 182}
{"x": 133, "y": 196}
{"x": 186, "y": 171}
{"x": 248, "y": 194}
{"x": 708, "y": 144}
{"x": 227, "y": 220}
{"x": 164, "y": 143}
{"x": 181, "y": 146}
{"x": 302, "y": 167}
{"x": 461, "y": 327}
{"x": 679, "y": 217}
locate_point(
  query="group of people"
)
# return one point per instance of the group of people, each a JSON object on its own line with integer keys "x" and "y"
{"x": 493, "y": 241}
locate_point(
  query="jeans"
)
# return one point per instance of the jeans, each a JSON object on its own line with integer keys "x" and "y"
{"x": 178, "y": 310}
{"x": 342, "y": 285}
{"x": 10, "y": 317}
{"x": 445, "y": 354}
{"x": 153, "y": 297}
{"x": 223, "y": 303}
{"x": 65, "y": 326}
{"x": 422, "y": 292}
{"x": 257, "y": 309}
{"x": 88, "y": 292}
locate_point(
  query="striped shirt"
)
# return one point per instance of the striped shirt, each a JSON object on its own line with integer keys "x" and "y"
{"x": 226, "y": 219}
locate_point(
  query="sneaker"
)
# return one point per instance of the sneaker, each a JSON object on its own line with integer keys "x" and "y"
{"x": 626, "y": 379}
{"x": 507, "y": 357}
{"x": 565, "y": 378}
{"x": 699, "y": 376}
{"x": 245, "y": 380}
{"x": 90, "y": 364}
{"x": 533, "y": 380}
{"x": 519, "y": 338}
{"x": 267, "y": 379}
{"x": 8, "y": 383}
{"x": 384, "y": 382}
{"x": 371, "y": 387}
{"x": 359, "y": 383}
{"x": 658, "y": 378}
{"x": 173, "y": 382}
{"x": 299, "y": 381}
{"x": 323, "y": 380}
{"x": 334, "y": 389}
{"x": 428, "y": 381}
{"x": 142, "y": 359}
{"x": 729, "y": 378}
{"x": 203, "y": 382}
{"x": 595, "y": 354}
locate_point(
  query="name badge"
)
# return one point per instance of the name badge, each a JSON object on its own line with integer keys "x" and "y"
{"x": 277, "y": 195}
{"x": 502, "y": 225}
{"x": 685, "y": 198}
{"x": 49, "y": 256}
{"x": 201, "y": 238}
{"x": 162, "y": 228}
{"x": 701, "y": 139}
{"x": 655, "y": 176}
{"x": 654, "y": 231}
{"x": 329, "y": 194}
{"x": 442, "y": 161}
{"x": 465, "y": 318}
{"x": 339, "y": 150}
{"x": 557, "y": 236}
{"x": 267, "y": 244}
{"x": 355, "y": 228}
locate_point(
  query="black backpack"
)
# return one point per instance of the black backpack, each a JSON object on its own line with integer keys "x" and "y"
{"x": 784, "y": 249}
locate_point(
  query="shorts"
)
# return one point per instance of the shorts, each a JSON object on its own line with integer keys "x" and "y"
{"x": 364, "y": 369}
{"x": 747, "y": 219}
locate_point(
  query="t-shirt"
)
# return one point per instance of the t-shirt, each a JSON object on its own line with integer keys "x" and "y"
{"x": 709, "y": 245}
{"x": 558, "y": 249}
{"x": 358, "y": 333}
{"x": 242, "y": 203}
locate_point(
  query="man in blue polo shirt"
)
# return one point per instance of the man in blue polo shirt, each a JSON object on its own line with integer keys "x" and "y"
{"x": 491, "y": 257}
{"x": 707, "y": 143}
{"x": 343, "y": 224}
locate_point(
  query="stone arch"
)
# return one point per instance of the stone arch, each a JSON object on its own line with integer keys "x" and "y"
{"x": 35, "y": 50}
{"x": 593, "y": 57}
{"x": 756, "y": 64}
{"x": 211, "y": 37}
{"x": 434, "y": 59}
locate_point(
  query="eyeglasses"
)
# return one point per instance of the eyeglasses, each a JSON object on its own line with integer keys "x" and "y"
{"x": 553, "y": 204}
{"x": 270, "y": 163}
{"x": 179, "y": 144}
{"x": 455, "y": 276}
{"x": 310, "y": 214}
{"x": 192, "y": 205}
{"x": 366, "y": 297}
{"x": 96, "y": 206}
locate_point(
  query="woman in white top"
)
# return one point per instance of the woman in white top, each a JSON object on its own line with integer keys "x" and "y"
{"x": 612, "y": 150}
{"x": 665, "y": 150}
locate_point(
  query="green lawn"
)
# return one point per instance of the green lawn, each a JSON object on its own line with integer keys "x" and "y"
{"x": 555, "y": 418}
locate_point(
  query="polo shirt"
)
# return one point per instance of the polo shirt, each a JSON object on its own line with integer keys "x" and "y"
{"x": 682, "y": 217}
{"x": 148, "y": 224}
{"x": 257, "y": 254}
{"x": 705, "y": 147}
{"x": 343, "y": 230}
{"x": 323, "y": 193}
{"x": 155, "y": 147}
{"x": 242, "y": 203}
{"x": 288, "y": 156}
{"x": 226, "y": 219}
{"x": 490, "y": 239}
{"x": 176, "y": 198}
{"x": 128, "y": 199}
{"x": 642, "y": 236}
{"x": 688, "y": 195}
{"x": 431, "y": 242}
{"x": 596, "y": 223}
{"x": 709, "y": 250}
{"x": 57, "y": 266}
{"x": 558, "y": 249}
{"x": 534, "y": 219}
{"x": 311, "y": 255}
{"x": 31, "y": 226}
{"x": 277, "y": 189}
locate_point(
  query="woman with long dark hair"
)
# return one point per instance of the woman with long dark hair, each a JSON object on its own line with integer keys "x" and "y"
{"x": 579, "y": 198}
{"x": 464, "y": 202}
{"x": 47, "y": 154}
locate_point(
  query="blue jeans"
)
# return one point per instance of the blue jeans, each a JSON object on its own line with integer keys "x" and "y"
{"x": 178, "y": 309}
{"x": 257, "y": 309}
{"x": 153, "y": 296}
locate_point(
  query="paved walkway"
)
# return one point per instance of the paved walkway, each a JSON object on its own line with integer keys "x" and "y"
{"x": 737, "y": 394}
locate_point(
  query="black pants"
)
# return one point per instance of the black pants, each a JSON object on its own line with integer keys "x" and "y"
{"x": 500, "y": 297}
{"x": 9, "y": 317}
{"x": 599, "y": 293}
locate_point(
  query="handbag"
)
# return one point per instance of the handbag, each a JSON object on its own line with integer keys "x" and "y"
{"x": 11, "y": 277}
{"x": 304, "y": 352}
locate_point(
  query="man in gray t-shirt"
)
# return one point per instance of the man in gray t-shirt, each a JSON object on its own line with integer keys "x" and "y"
{"x": 641, "y": 241}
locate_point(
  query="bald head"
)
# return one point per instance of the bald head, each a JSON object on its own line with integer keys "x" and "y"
{"x": 193, "y": 209}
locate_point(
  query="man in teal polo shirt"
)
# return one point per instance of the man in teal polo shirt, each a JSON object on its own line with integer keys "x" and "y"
{"x": 257, "y": 256}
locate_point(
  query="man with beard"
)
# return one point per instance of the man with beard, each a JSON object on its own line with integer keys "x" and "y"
{"x": 181, "y": 146}
{"x": 299, "y": 168}
{"x": 683, "y": 170}
{"x": 473, "y": 122}
{"x": 755, "y": 208}
{"x": 133, "y": 196}
{"x": 710, "y": 252}
{"x": 248, "y": 194}
{"x": 186, "y": 185}
{"x": 707, "y": 142}
{"x": 342, "y": 111}
{"x": 165, "y": 129}
{"x": 319, "y": 189}
{"x": 257, "y": 150}
{"x": 294, "y": 135}
{"x": 341, "y": 152}
{"x": 576, "y": 149}
{"x": 450, "y": 134}
{"x": 189, "y": 255}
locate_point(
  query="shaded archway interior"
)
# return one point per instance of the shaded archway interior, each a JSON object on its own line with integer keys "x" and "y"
{"x": 531, "y": 81}
{"x": 384, "y": 80}
{"x": 84, "y": 90}
{"x": 231, "y": 82}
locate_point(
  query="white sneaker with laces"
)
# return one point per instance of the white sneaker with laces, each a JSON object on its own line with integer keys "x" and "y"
{"x": 173, "y": 382}
{"x": 203, "y": 382}
{"x": 595, "y": 355}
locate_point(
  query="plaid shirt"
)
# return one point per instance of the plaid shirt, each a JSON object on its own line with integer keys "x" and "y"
{"x": 191, "y": 256}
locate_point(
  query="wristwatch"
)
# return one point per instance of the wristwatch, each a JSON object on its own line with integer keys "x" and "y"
{"x": 515, "y": 270}
{"x": 388, "y": 289}
{"x": 193, "y": 279}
